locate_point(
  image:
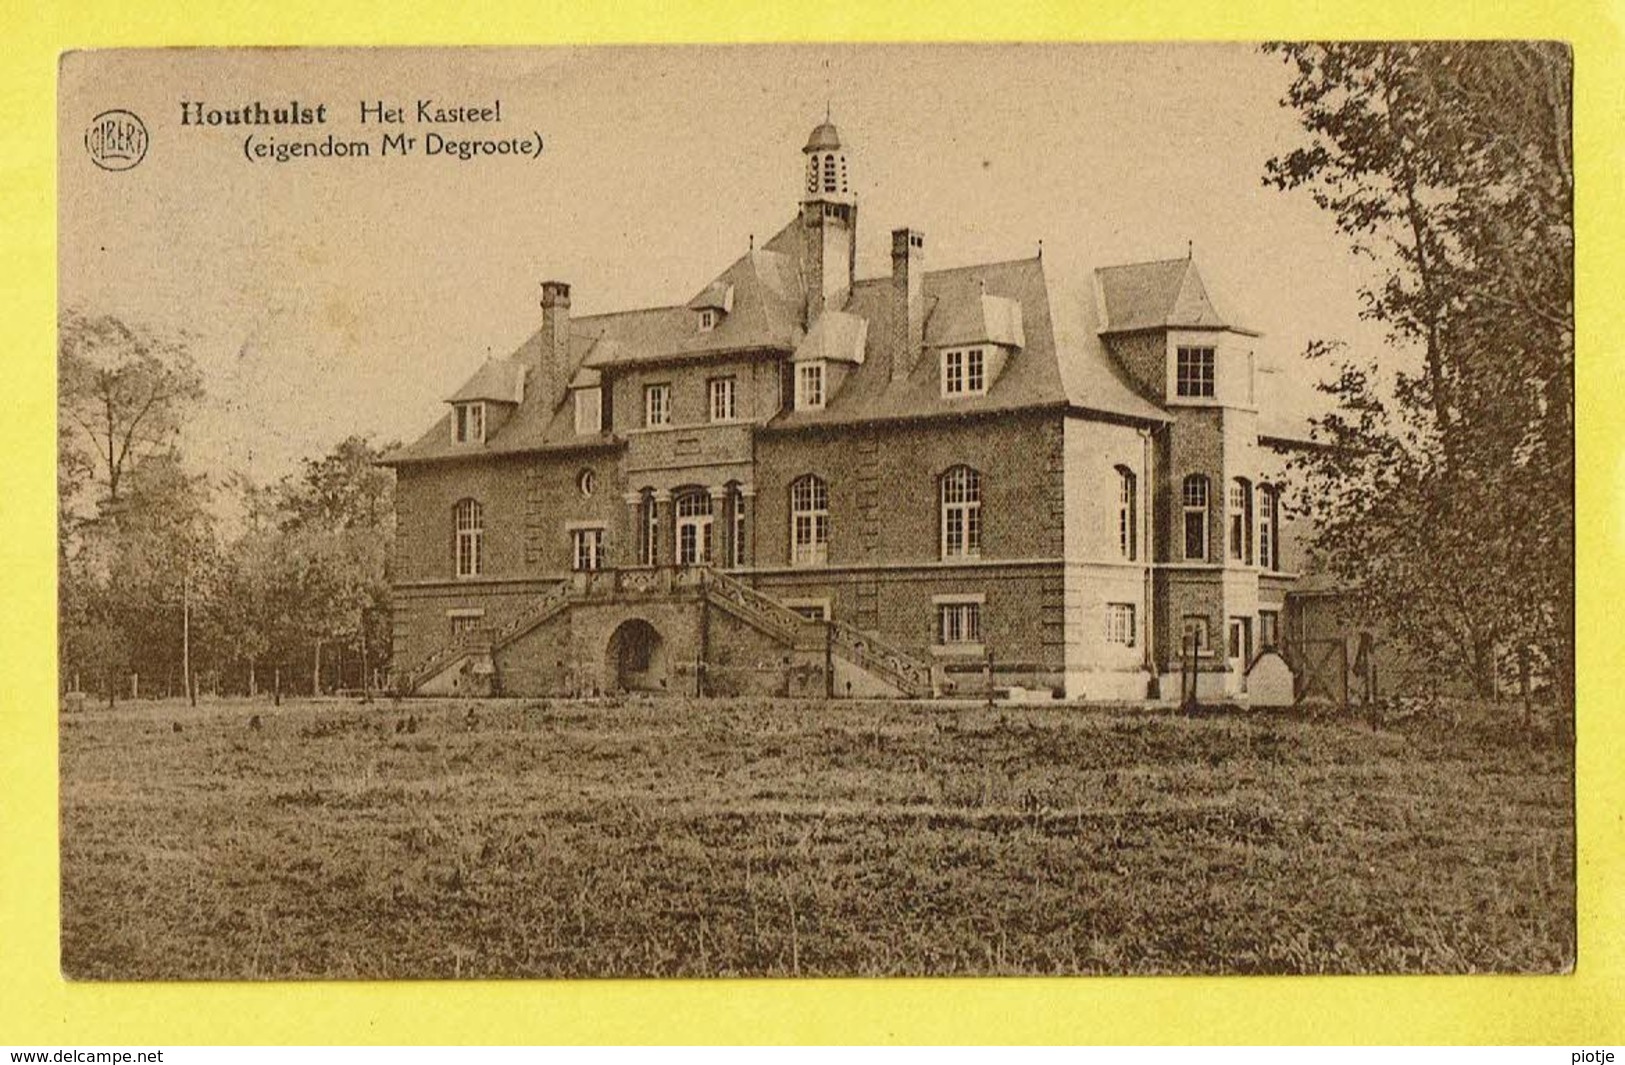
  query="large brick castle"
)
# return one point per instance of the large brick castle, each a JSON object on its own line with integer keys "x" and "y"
{"x": 803, "y": 481}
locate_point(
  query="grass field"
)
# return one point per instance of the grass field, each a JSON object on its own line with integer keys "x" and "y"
{"x": 746, "y": 838}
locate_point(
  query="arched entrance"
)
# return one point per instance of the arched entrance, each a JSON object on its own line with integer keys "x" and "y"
{"x": 637, "y": 657}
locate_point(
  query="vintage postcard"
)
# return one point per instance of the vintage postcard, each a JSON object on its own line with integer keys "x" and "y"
{"x": 816, "y": 511}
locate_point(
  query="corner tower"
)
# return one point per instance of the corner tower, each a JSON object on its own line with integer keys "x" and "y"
{"x": 829, "y": 221}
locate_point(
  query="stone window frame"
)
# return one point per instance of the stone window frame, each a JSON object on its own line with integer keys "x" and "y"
{"x": 1269, "y": 526}
{"x": 589, "y": 546}
{"x": 468, "y": 538}
{"x": 962, "y": 616}
{"x": 468, "y": 422}
{"x": 1121, "y": 624}
{"x": 1195, "y": 496}
{"x": 959, "y": 498}
{"x": 809, "y": 521}
{"x": 730, "y": 391}
{"x": 811, "y": 379}
{"x": 1195, "y": 370}
{"x": 1128, "y": 513}
{"x": 964, "y": 372}
{"x": 1239, "y": 505}
{"x": 589, "y": 410}
{"x": 652, "y": 406}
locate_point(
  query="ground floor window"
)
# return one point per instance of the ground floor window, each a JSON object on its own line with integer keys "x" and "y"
{"x": 959, "y": 623}
{"x": 1194, "y": 627}
{"x": 588, "y": 548}
{"x": 1120, "y": 623}
{"x": 1269, "y": 629}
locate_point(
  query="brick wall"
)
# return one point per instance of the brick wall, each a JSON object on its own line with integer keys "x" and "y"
{"x": 884, "y": 484}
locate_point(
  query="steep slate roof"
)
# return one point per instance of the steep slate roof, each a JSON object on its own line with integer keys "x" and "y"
{"x": 835, "y": 336}
{"x": 499, "y": 380}
{"x": 1060, "y": 362}
{"x": 1168, "y": 294}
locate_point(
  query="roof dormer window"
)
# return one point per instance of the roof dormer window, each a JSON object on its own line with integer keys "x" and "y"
{"x": 468, "y": 423}
{"x": 589, "y": 410}
{"x": 810, "y": 386}
{"x": 708, "y": 320}
{"x": 964, "y": 372}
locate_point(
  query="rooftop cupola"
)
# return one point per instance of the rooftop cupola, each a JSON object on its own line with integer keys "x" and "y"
{"x": 829, "y": 221}
{"x": 827, "y": 179}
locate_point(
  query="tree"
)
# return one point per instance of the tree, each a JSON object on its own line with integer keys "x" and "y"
{"x": 337, "y": 539}
{"x": 132, "y": 527}
{"x": 123, "y": 392}
{"x": 1445, "y": 498}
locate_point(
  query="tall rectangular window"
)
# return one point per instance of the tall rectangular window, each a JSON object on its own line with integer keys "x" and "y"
{"x": 737, "y": 541}
{"x": 469, "y": 527}
{"x": 1120, "y": 623}
{"x": 1128, "y": 533}
{"x": 649, "y": 530}
{"x": 959, "y": 623}
{"x": 656, "y": 405}
{"x": 1269, "y": 550}
{"x": 1241, "y": 524}
{"x": 468, "y": 423}
{"x": 810, "y": 386}
{"x": 809, "y": 522}
{"x": 1193, "y": 495}
{"x": 1269, "y": 629}
{"x": 723, "y": 408}
{"x": 961, "y": 513}
{"x": 589, "y": 410}
{"x": 1193, "y": 372}
{"x": 588, "y": 548}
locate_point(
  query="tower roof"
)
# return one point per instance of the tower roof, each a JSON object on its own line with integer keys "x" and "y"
{"x": 825, "y": 137}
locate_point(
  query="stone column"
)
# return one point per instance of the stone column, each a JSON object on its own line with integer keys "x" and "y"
{"x": 633, "y": 540}
{"x": 746, "y": 501}
{"x": 666, "y": 522}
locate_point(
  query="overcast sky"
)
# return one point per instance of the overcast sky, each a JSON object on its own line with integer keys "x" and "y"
{"x": 328, "y": 297}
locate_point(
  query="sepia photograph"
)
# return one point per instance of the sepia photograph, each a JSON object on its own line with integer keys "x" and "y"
{"x": 816, "y": 511}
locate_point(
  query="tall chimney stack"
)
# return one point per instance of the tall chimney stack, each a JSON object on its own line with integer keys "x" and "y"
{"x": 908, "y": 300}
{"x": 554, "y": 372}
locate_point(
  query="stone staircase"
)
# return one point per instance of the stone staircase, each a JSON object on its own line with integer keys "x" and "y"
{"x": 891, "y": 664}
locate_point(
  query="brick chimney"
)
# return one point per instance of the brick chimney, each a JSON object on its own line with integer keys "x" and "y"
{"x": 554, "y": 372}
{"x": 908, "y": 300}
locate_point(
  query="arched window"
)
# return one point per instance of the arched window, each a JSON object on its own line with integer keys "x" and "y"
{"x": 1269, "y": 530}
{"x": 1241, "y": 521}
{"x": 470, "y": 546}
{"x": 829, "y": 173}
{"x": 809, "y": 522}
{"x": 1193, "y": 494}
{"x": 1128, "y": 516}
{"x": 694, "y": 526}
{"x": 961, "y": 513}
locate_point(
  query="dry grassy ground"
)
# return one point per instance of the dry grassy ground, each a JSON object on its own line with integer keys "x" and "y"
{"x": 743, "y": 838}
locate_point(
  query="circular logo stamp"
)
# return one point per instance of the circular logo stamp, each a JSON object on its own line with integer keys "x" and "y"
{"x": 116, "y": 140}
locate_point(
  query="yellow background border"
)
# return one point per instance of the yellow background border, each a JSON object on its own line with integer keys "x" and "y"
{"x": 37, "y": 1007}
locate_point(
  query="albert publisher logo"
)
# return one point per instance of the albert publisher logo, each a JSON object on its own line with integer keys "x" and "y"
{"x": 116, "y": 140}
